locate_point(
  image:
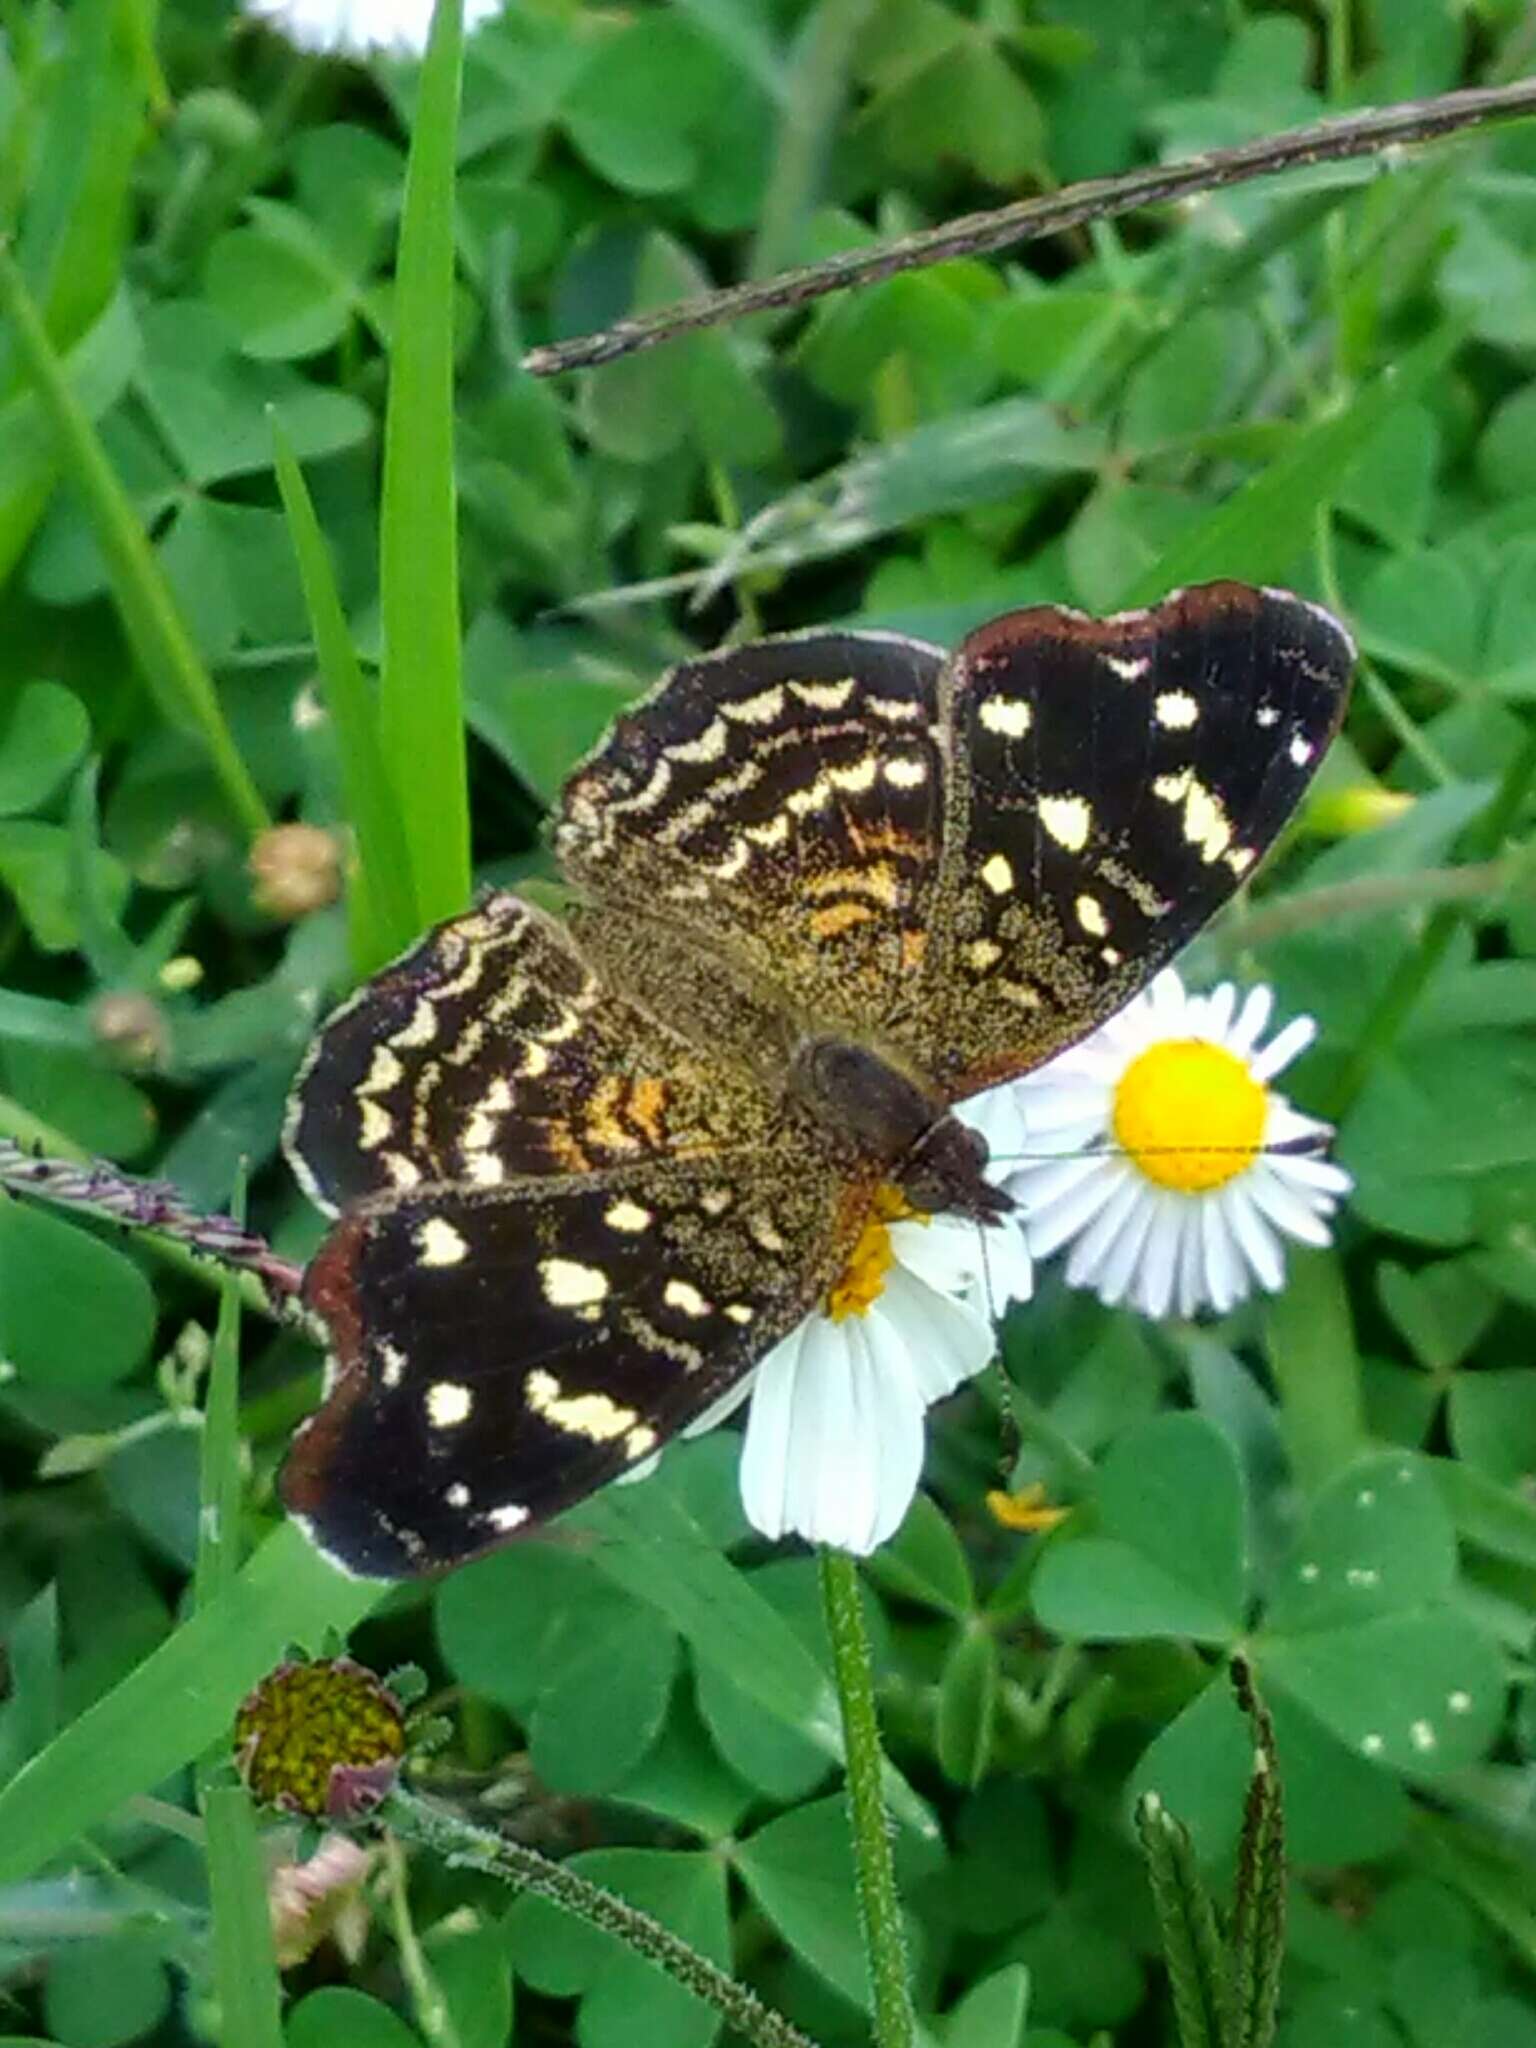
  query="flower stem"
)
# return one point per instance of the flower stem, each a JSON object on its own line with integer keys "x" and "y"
{"x": 461, "y": 1843}
{"x": 885, "y": 1940}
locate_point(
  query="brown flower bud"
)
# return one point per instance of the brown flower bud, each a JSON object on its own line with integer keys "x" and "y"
{"x": 295, "y": 869}
{"x": 131, "y": 1027}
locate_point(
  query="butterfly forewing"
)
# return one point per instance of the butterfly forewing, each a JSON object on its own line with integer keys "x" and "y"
{"x": 1114, "y": 782}
{"x": 781, "y": 805}
{"x": 499, "y": 1354}
{"x": 492, "y": 1049}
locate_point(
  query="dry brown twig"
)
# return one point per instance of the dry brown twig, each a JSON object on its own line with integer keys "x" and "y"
{"x": 1372, "y": 132}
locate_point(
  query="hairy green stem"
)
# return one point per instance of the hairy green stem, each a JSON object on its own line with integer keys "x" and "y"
{"x": 470, "y": 1847}
{"x": 885, "y": 1939}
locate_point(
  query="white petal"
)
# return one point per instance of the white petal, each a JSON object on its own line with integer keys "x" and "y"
{"x": 361, "y": 25}
{"x": 769, "y": 1443}
{"x": 930, "y": 1342}
{"x": 1251, "y": 1020}
{"x": 1089, "y": 1250}
{"x": 1050, "y": 1228}
{"x": 1117, "y": 1269}
{"x": 1219, "y": 1005}
{"x": 999, "y": 1115}
{"x": 1287, "y": 1207}
{"x": 1191, "y": 1283}
{"x": 1224, "y": 1273}
{"x": 834, "y": 1441}
{"x": 1038, "y": 1188}
{"x": 1284, "y": 1047}
{"x": 1158, "y": 1278}
{"x": 945, "y": 1251}
{"x": 1010, "y": 1271}
{"x": 1256, "y": 1239}
{"x": 1320, "y": 1174}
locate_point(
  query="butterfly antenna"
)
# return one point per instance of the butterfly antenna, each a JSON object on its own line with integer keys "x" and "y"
{"x": 1310, "y": 1145}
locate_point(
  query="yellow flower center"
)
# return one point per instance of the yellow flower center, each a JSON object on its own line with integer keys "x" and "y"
{"x": 1190, "y": 1114}
{"x": 862, "y": 1280}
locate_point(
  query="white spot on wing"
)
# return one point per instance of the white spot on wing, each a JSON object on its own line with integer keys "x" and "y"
{"x": 439, "y": 1243}
{"x": 568, "y": 1284}
{"x": 997, "y": 874}
{"x": 1176, "y": 709}
{"x": 1010, "y": 716}
{"x": 1090, "y": 915}
{"x": 685, "y": 1297}
{"x": 1068, "y": 819}
{"x": 448, "y": 1404}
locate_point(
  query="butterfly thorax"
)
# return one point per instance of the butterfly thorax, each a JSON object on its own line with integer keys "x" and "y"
{"x": 881, "y": 1113}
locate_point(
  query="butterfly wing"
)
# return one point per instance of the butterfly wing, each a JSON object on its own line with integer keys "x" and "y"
{"x": 499, "y": 1353}
{"x": 1112, "y": 782}
{"x": 781, "y": 807}
{"x": 493, "y": 1049}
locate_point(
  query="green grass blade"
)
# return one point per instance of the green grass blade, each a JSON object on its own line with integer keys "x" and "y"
{"x": 218, "y": 1526}
{"x": 179, "y": 1701}
{"x": 244, "y": 1961}
{"x": 1259, "y": 532}
{"x": 172, "y": 666}
{"x": 381, "y": 899}
{"x": 421, "y": 712}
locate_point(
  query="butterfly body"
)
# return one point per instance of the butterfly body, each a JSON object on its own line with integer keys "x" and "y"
{"x": 587, "y": 1171}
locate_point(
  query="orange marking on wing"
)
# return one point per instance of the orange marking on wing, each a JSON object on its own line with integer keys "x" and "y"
{"x": 647, "y": 1104}
{"x": 877, "y": 880}
{"x": 838, "y": 918}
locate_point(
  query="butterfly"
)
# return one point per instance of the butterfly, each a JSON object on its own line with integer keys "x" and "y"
{"x": 585, "y": 1170}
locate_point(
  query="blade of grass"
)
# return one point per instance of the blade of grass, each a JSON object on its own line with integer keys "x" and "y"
{"x": 421, "y": 712}
{"x": 218, "y": 1523}
{"x": 179, "y": 1701}
{"x": 244, "y": 1961}
{"x": 172, "y": 667}
{"x": 381, "y": 901}
{"x": 1259, "y": 531}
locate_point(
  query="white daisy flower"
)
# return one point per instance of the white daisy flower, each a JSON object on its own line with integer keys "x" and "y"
{"x": 1168, "y": 1171}
{"x": 356, "y": 27}
{"x": 834, "y": 1438}
{"x": 835, "y": 1433}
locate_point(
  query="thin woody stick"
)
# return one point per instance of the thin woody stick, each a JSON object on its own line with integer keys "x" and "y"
{"x": 153, "y": 1205}
{"x": 977, "y": 234}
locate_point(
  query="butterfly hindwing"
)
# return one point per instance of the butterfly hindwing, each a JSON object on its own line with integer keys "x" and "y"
{"x": 1115, "y": 781}
{"x": 497, "y": 1354}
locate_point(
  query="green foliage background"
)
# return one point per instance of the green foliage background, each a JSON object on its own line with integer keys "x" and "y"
{"x": 1325, "y": 380}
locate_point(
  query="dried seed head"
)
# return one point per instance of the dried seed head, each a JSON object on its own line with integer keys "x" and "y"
{"x": 295, "y": 869}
